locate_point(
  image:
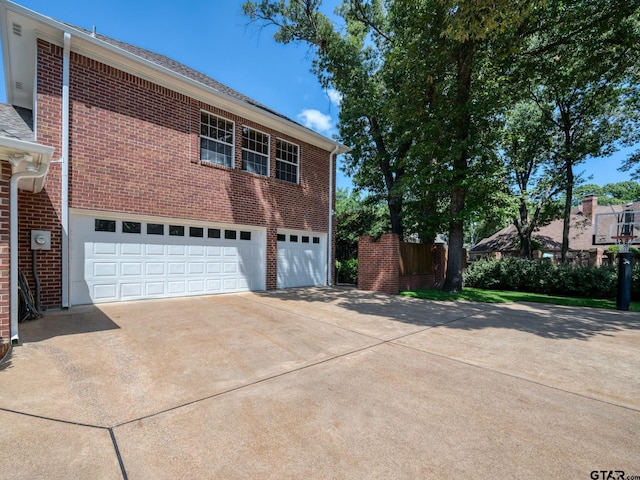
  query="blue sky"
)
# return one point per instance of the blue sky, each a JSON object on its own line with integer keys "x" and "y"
{"x": 214, "y": 37}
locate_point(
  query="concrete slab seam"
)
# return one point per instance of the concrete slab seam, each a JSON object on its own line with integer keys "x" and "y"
{"x": 282, "y": 374}
{"x": 77, "y": 424}
{"x": 240, "y": 387}
{"x": 516, "y": 377}
{"x": 120, "y": 460}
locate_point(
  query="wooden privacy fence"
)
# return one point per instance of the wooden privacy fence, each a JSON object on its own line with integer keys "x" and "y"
{"x": 391, "y": 266}
{"x": 415, "y": 258}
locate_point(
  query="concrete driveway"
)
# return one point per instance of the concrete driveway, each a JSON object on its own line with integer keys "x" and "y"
{"x": 322, "y": 383}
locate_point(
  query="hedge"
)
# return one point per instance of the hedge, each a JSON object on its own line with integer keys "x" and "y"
{"x": 535, "y": 276}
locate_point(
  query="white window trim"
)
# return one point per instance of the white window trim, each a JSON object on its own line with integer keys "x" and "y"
{"x": 232, "y": 144}
{"x": 258, "y": 153}
{"x": 285, "y": 161}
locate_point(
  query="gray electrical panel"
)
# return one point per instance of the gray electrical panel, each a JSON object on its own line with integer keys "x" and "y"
{"x": 40, "y": 240}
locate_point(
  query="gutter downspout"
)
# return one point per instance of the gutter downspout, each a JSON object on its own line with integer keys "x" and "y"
{"x": 330, "y": 235}
{"x": 64, "y": 216}
{"x": 43, "y": 168}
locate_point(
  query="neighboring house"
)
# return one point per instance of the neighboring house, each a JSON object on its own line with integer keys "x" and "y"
{"x": 147, "y": 179}
{"x": 581, "y": 233}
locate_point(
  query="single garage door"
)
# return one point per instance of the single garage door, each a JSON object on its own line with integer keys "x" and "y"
{"x": 302, "y": 259}
{"x": 115, "y": 259}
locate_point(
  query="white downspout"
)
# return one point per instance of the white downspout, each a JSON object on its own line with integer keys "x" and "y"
{"x": 64, "y": 216}
{"x": 330, "y": 235}
{"x": 13, "y": 242}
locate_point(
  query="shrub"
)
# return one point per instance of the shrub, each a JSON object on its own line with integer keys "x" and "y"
{"x": 347, "y": 271}
{"x": 544, "y": 277}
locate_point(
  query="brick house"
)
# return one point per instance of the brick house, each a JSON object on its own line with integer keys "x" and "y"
{"x": 549, "y": 237}
{"x": 143, "y": 178}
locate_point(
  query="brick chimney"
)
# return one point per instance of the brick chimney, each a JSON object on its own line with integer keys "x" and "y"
{"x": 589, "y": 207}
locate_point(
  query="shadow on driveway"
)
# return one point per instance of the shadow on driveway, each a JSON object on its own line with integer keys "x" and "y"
{"x": 80, "y": 319}
{"x": 547, "y": 321}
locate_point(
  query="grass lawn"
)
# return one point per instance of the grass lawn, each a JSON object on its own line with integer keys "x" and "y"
{"x": 501, "y": 296}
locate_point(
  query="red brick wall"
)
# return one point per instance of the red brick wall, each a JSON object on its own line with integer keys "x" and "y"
{"x": 5, "y": 302}
{"x": 378, "y": 263}
{"x": 135, "y": 149}
{"x": 42, "y": 211}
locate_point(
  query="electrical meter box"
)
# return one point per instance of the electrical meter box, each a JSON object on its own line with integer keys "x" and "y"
{"x": 40, "y": 240}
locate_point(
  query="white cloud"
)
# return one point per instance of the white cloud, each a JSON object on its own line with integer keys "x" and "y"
{"x": 335, "y": 96}
{"x": 316, "y": 120}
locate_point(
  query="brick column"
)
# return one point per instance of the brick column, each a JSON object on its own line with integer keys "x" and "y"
{"x": 272, "y": 257}
{"x": 379, "y": 263}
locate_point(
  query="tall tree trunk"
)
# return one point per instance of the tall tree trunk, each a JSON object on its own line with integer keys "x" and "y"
{"x": 395, "y": 212}
{"x": 455, "y": 260}
{"x": 567, "y": 212}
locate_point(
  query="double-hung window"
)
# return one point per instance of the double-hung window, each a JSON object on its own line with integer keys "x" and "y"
{"x": 255, "y": 151}
{"x": 287, "y": 158}
{"x": 216, "y": 140}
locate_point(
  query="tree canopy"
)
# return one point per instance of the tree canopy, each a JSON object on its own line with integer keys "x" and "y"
{"x": 460, "y": 111}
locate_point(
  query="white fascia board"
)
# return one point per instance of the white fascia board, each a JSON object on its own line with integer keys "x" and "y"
{"x": 87, "y": 45}
{"x": 24, "y": 146}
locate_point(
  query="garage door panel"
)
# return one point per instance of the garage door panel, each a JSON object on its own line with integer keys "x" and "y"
{"x": 151, "y": 249}
{"x": 128, "y": 290}
{"x": 115, "y": 266}
{"x": 105, "y": 292}
{"x": 230, "y": 284}
{"x": 130, "y": 249}
{"x": 99, "y": 248}
{"x": 196, "y": 268}
{"x": 214, "y": 285}
{"x": 214, "y": 267}
{"x": 177, "y": 287}
{"x": 154, "y": 289}
{"x": 131, "y": 269}
{"x": 105, "y": 269}
{"x": 154, "y": 268}
{"x": 176, "y": 250}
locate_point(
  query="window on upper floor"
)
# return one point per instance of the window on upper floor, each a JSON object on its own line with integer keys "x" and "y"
{"x": 216, "y": 140}
{"x": 255, "y": 151}
{"x": 287, "y": 161}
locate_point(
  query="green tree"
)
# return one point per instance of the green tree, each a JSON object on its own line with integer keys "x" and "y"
{"x": 534, "y": 178}
{"x": 357, "y": 216}
{"x": 446, "y": 63}
{"x": 349, "y": 61}
{"x": 580, "y": 67}
{"x": 422, "y": 95}
{"x": 619, "y": 193}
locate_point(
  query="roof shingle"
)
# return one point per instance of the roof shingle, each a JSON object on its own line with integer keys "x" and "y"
{"x": 16, "y": 122}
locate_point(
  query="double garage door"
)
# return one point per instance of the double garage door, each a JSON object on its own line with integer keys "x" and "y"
{"x": 117, "y": 259}
{"x": 114, "y": 259}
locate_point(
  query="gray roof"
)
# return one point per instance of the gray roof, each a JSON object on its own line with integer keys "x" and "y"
{"x": 181, "y": 69}
{"x": 16, "y": 122}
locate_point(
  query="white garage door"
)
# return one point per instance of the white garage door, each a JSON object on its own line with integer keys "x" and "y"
{"x": 115, "y": 259}
{"x": 302, "y": 259}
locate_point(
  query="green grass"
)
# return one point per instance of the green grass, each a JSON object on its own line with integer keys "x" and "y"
{"x": 502, "y": 296}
